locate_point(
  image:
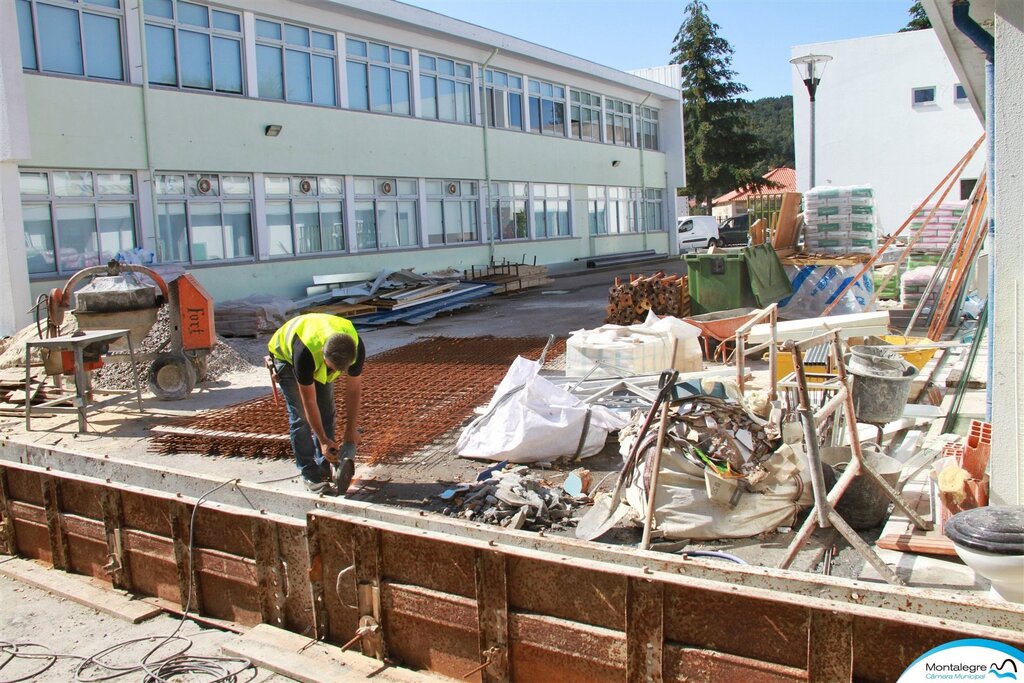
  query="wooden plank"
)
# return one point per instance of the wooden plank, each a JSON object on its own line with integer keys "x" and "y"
{"x": 785, "y": 228}
{"x": 920, "y": 544}
{"x": 81, "y": 589}
{"x": 299, "y": 658}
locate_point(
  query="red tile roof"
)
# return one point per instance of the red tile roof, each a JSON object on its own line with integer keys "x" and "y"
{"x": 785, "y": 177}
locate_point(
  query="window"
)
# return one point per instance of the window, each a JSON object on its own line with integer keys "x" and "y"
{"x": 193, "y": 46}
{"x": 76, "y": 38}
{"x": 385, "y": 211}
{"x": 446, "y": 88}
{"x": 507, "y": 211}
{"x": 621, "y": 211}
{"x": 502, "y": 96}
{"x": 924, "y": 96}
{"x": 378, "y": 77}
{"x": 597, "y": 210}
{"x": 452, "y": 211}
{"x": 967, "y": 187}
{"x": 304, "y": 214}
{"x": 295, "y": 63}
{"x": 652, "y": 210}
{"x": 647, "y": 136}
{"x": 959, "y": 93}
{"x": 76, "y": 219}
{"x": 547, "y": 108}
{"x": 203, "y": 217}
{"x": 618, "y": 123}
{"x": 585, "y": 115}
{"x": 550, "y": 210}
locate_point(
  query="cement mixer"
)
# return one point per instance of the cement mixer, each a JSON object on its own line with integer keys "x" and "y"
{"x": 115, "y": 297}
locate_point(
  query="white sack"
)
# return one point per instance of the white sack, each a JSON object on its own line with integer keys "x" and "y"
{"x": 532, "y": 420}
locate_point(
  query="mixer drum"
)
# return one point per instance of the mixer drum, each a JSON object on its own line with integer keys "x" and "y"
{"x": 115, "y": 293}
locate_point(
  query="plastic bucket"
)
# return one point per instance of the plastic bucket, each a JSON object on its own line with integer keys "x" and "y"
{"x": 881, "y": 384}
{"x": 864, "y": 504}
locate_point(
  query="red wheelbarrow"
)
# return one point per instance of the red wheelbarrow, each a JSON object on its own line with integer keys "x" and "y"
{"x": 721, "y": 326}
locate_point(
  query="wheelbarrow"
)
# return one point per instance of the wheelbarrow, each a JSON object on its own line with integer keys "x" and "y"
{"x": 721, "y": 327}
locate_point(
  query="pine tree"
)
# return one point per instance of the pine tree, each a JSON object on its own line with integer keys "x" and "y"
{"x": 722, "y": 151}
{"x": 918, "y": 18}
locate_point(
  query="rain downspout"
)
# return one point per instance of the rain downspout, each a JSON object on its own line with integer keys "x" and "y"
{"x": 640, "y": 146}
{"x": 145, "y": 126}
{"x": 986, "y": 43}
{"x": 487, "y": 159}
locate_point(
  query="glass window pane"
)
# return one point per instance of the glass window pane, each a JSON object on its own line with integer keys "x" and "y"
{"x": 355, "y": 47}
{"x": 331, "y": 185}
{"x": 159, "y": 8}
{"x": 170, "y": 184}
{"x": 227, "y": 65}
{"x": 378, "y": 53}
{"x": 380, "y": 88}
{"x": 427, "y": 63}
{"x": 435, "y": 188}
{"x": 117, "y": 230}
{"x": 357, "y": 95}
{"x": 400, "y": 57}
{"x": 113, "y": 183}
{"x": 452, "y": 222}
{"x": 236, "y": 184}
{"x": 364, "y": 185}
{"x": 196, "y": 15}
{"x": 428, "y": 97}
{"x": 72, "y": 183}
{"x": 435, "y": 223}
{"x": 197, "y": 179}
{"x": 299, "y": 181}
{"x": 26, "y": 35}
{"x": 366, "y": 225}
{"x": 296, "y": 35}
{"x": 60, "y": 43}
{"x": 307, "y": 225}
{"x": 515, "y": 82}
{"x": 515, "y": 111}
{"x": 324, "y": 91}
{"x": 463, "y": 103}
{"x": 275, "y": 184}
{"x": 407, "y": 224}
{"x": 227, "y": 21}
{"x": 160, "y": 53}
{"x": 269, "y": 72}
{"x": 238, "y": 229}
{"x": 538, "y": 218}
{"x": 34, "y": 183}
{"x": 469, "y": 222}
{"x": 38, "y": 238}
{"x": 76, "y": 234}
{"x": 332, "y": 226}
{"x": 408, "y": 188}
{"x": 535, "y": 113}
{"x": 446, "y": 67}
{"x": 323, "y": 41}
{"x": 196, "y": 69}
{"x": 400, "y": 92}
{"x": 300, "y": 87}
{"x": 445, "y": 99}
{"x": 171, "y": 239}
{"x": 463, "y": 71}
{"x": 207, "y": 232}
{"x": 279, "y": 223}
{"x": 387, "y": 225}
{"x": 268, "y": 29}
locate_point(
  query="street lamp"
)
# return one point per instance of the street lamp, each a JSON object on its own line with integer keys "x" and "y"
{"x": 810, "y": 68}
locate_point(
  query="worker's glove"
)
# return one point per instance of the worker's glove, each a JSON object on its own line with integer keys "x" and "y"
{"x": 348, "y": 451}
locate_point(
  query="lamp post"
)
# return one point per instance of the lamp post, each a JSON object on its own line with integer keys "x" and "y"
{"x": 810, "y": 68}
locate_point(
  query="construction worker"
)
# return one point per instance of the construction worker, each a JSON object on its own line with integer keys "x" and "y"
{"x": 309, "y": 352}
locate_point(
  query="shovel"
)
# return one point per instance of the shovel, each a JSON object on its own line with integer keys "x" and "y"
{"x": 607, "y": 512}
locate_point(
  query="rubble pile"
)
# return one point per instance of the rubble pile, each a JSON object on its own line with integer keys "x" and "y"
{"x": 511, "y": 497}
{"x": 722, "y": 431}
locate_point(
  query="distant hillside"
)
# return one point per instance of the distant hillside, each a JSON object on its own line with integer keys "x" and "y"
{"x": 773, "y": 123}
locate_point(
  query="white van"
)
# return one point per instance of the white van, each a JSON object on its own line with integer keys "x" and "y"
{"x": 697, "y": 232}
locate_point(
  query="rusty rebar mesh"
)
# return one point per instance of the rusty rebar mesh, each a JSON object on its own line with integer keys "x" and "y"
{"x": 411, "y": 396}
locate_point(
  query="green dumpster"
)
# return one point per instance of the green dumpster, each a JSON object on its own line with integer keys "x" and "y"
{"x": 751, "y": 277}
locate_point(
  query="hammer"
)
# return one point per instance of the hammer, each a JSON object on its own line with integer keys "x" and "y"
{"x": 269, "y": 362}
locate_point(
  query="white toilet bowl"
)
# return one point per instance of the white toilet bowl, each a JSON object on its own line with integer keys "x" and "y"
{"x": 990, "y": 540}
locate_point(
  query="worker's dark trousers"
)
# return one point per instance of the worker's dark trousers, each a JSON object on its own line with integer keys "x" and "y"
{"x": 305, "y": 445}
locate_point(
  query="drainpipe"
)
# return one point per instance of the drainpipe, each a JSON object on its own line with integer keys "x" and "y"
{"x": 640, "y": 146}
{"x": 487, "y": 159}
{"x": 145, "y": 127}
{"x": 986, "y": 43}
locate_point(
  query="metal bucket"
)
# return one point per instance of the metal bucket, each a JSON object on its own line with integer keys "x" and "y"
{"x": 881, "y": 384}
{"x": 864, "y": 504}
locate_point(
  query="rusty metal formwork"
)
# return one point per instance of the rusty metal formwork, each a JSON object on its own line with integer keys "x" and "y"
{"x": 452, "y": 597}
{"x": 411, "y": 396}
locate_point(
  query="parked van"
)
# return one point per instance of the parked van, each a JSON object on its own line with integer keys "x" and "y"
{"x": 701, "y": 232}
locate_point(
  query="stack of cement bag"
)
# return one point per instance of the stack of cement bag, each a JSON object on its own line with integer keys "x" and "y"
{"x": 840, "y": 220}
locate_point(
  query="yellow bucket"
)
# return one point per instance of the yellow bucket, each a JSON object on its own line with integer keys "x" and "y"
{"x": 917, "y": 358}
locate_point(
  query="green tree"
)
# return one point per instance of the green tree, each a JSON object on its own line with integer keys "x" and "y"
{"x": 918, "y": 18}
{"x": 772, "y": 121}
{"x": 722, "y": 150}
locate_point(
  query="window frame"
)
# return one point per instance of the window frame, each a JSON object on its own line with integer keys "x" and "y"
{"x": 379, "y": 197}
{"x": 614, "y": 112}
{"x": 543, "y": 193}
{"x": 622, "y": 210}
{"x": 497, "y": 198}
{"x": 497, "y": 82}
{"x": 369, "y": 62}
{"x": 189, "y": 200}
{"x": 436, "y": 75}
{"x": 652, "y": 204}
{"x": 95, "y": 200}
{"x": 315, "y": 196}
{"x": 284, "y": 46}
{"x": 578, "y": 104}
{"x": 649, "y": 127}
{"x": 80, "y": 7}
{"x": 458, "y": 197}
{"x": 212, "y": 32}
{"x": 957, "y": 87}
{"x": 926, "y": 103}
{"x": 557, "y": 96}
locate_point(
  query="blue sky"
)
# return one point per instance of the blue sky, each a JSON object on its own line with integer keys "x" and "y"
{"x": 635, "y": 34}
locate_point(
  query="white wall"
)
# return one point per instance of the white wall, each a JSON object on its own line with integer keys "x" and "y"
{"x": 867, "y": 129}
{"x": 1007, "y": 416}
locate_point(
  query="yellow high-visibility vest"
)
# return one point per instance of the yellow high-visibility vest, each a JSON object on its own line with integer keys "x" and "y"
{"x": 314, "y": 329}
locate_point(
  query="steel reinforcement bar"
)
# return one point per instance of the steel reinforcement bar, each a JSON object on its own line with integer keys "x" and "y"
{"x": 462, "y": 599}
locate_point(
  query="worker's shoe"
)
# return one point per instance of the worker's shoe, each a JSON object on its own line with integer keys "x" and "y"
{"x": 343, "y": 473}
{"x": 318, "y": 487}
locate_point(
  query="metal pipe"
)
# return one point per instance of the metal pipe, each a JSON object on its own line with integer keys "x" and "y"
{"x": 145, "y": 126}
{"x": 973, "y": 30}
{"x": 990, "y": 133}
{"x": 487, "y": 158}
